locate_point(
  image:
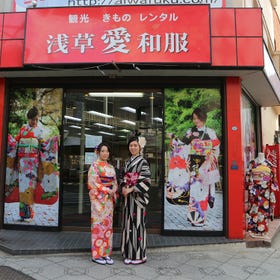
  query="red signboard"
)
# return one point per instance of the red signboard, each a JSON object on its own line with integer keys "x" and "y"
{"x": 146, "y": 34}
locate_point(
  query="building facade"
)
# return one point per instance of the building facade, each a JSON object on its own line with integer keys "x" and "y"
{"x": 100, "y": 73}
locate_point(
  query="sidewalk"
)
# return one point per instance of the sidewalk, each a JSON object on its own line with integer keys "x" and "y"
{"x": 230, "y": 261}
{"x": 27, "y": 255}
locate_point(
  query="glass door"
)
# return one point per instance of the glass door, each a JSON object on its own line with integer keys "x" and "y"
{"x": 91, "y": 117}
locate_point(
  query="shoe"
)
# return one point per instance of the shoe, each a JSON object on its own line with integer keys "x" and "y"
{"x": 127, "y": 261}
{"x": 108, "y": 260}
{"x": 99, "y": 261}
{"x": 211, "y": 201}
{"x": 138, "y": 261}
{"x": 199, "y": 224}
{"x": 27, "y": 220}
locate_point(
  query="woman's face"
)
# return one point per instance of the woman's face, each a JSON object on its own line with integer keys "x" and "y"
{"x": 134, "y": 148}
{"x": 197, "y": 121}
{"x": 33, "y": 122}
{"x": 104, "y": 153}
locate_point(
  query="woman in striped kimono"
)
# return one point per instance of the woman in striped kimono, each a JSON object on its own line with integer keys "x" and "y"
{"x": 135, "y": 186}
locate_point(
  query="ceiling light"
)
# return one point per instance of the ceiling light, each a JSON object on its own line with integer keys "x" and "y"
{"x": 100, "y": 114}
{"x": 75, "y": 126}
{"x": 78, "y": 127}
{"x": 131, "y": 110}
{"x": 129, "y": 122}
{"x": 104, "y": 125}
{"x": 72, "y": 118}
{"x": 125, "y": 130}
{"x": 116, "y": 94}
{"x": 106, "y": 133}
{"x": 158, "y": 119}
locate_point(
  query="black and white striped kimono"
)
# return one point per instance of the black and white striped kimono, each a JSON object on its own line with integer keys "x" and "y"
{"x": 137, "y": 175}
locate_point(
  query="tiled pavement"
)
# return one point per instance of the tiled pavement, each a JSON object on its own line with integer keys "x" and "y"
{"x": 28, "y": 243}
{"x": 27, "y": 255}
{"x": 230, "y": 261}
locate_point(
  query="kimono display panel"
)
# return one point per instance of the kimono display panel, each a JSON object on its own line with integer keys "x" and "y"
{"x": 178, "y": 187}
{"x": 32, "y": 171}
{"x": 134, "y": 238}
{"x": 101, "y": 176}
{"x": 204, "y": 171}
{"x": 262, "y": 186}
{"x": 193, "y": 172}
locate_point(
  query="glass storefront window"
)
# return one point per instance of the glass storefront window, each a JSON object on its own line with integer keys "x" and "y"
{"x": 69, "y": 130}
{"x": 249, "y": 136}
{"x": 91, "y": 117}
{"x": 248, "y": 130}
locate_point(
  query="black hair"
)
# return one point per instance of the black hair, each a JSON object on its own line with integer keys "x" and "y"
{"x": 200, "y": 114}
{"x": 132, "y": 139}
{"x": 102, "y": 144}
{"x": 32, "y": 113}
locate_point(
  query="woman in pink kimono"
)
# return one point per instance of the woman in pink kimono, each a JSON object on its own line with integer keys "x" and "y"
{"x": 29, "y": 145}
{"x": 29, "y": 155}
{"x": 102, "y": 185}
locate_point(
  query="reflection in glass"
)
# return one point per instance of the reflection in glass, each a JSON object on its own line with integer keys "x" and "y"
{"x": 111, "y": 117}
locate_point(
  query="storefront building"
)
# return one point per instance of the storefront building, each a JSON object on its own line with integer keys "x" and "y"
{"x": 103, "y": 73}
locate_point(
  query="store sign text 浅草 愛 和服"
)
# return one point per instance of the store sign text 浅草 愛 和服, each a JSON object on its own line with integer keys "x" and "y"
{"x": 120, "y": 34}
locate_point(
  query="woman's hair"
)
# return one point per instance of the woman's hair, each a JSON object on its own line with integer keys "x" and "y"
{"x": 32, "y": 113}
{"x": 103, "y": 144}
{"x": 132, "y": 139}
{"x": 200, "y": 114}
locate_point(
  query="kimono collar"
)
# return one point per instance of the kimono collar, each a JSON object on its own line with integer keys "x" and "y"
{"x": 101, "y": 161}
{"x": 201, "y": 128}
{"x": 132, "y": 158}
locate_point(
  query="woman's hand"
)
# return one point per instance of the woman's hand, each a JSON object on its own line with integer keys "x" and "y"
{"x": 113, "y": 190}
{"x": 92, "y": 194}
{"x": 127, "y": 190}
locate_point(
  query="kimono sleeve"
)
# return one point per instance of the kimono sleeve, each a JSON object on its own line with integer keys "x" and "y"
{"x": 94, "y": 182}
{"x": 144, "y": 180}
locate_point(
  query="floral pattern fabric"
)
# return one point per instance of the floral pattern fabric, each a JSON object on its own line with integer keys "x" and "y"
{"x": 29, "y": 142}
{"x": 101, "y": 176}
{"x": 32, "y": 170}
{"x": 261, "y": 185}
{"x": 193, "y": 172}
